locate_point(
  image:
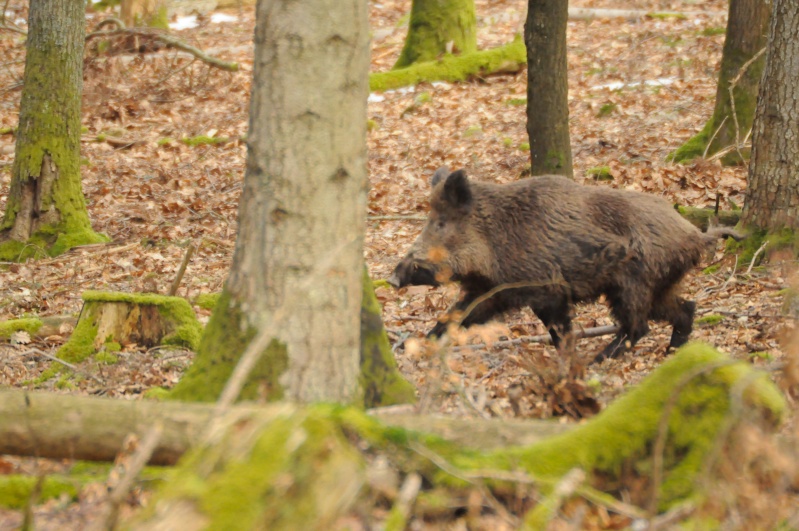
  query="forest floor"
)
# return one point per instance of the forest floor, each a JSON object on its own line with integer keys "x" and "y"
{"x": 638, "y": 88}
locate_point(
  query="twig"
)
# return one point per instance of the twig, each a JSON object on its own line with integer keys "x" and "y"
{"x": 754, "y": 257}
{"x": 34, "y": 350}
{"x": 732, "y": 86}
{"x": 179, "y": 277}
{"x": 407, "y": 495}
{"x": 108, "y": 520}
{"x": 709, "y": 142}
{"x": 544, "y": 338}
{"x": 170, "y": 41}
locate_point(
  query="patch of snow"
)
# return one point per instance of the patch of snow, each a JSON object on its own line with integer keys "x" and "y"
{"x": 616, "y": 85}
{"x": 184, "y": 23}
{"x": 375, "y": 98}
{"x": 218, "y": 18}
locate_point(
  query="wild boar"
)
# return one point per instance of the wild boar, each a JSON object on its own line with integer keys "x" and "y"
{"x": 548, "y": 243}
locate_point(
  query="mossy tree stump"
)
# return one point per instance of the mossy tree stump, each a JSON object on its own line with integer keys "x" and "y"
{"x": 110, "y": 318}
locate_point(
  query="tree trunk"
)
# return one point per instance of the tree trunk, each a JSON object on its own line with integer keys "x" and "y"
{"x": 547, "y": 87}
{"x": 297, "y": 268}
{"x": 438, "y": 27}
{"x": 46, "y": 206}
{"x": 747, "y": 27}
{"x": 772, "y": 201}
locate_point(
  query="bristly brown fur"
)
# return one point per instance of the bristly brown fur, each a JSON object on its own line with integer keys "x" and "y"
{"x": 566, "y": 243}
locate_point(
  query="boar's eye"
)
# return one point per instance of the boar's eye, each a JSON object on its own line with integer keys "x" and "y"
{"x": 440, "y": 223}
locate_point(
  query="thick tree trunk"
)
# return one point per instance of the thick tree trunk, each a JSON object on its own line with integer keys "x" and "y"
{"x": 46, "y": 204}
{"x": 547, "y": 87}
{"x": 438, "y": 27}
{"x": 747, "y": 27}
{"x": 297, "y": 269}
{"x": 772, "y": 201}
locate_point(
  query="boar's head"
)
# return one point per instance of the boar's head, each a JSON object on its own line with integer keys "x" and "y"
{"x": 434, "y": 256}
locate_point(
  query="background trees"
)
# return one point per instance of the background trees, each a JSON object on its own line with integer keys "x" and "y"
{"x": 437, "y": 27}
{"x": 742, "y": 62}
{"x": 772, "y": 201}
{"x": 46, "y": 208}
{"x": 547, "y": 87}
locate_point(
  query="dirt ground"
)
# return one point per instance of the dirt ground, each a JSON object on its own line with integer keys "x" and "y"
{"x": 638, "y": 88}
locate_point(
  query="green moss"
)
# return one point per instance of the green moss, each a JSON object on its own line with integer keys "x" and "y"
{"x": 16, "y": 490}
{"x": 472, "y": 130}
{"x": 600, "y": 173}
{"x": 381, "y": 381}
{"x": 667, "y": 16}
{"x": 222, "y": 344}
{"x": 710, "y": 270}
{"x": 8, "y": 130}
{"x": 694, "y": 147}
{"x": 524, "y": 146}
{"x": 452, "y": 68}
{"x": 712, "y": 32}
{"x": 112, "y": 346}
{"x": 207, "y": 301}
{"x": 81, "y": 343}
{"x": 625, "y": 430}
{"x": 371, "y": 125}
{"x": 301, "y": 473}
{"x": 203, "y": 140}
{"x": 709, "y": 320}
{"x": 30, "y": 325}
{"x": 606, "y": 110}
{"x": 555, "y": 160}
{"x": 507, "y": 142}
{"x": 435, "y": 27}
{"x": 780, "y": 239}
{"x": 165, "y": 141}
{"x": 516, "y": 102}
{"x": 106, "y": 358}
{"x": 157, "y": 393}
{"x": 765, "y": 356}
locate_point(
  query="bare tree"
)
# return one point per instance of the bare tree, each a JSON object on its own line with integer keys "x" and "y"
{"x": 742, "y": 63}
{"x": 46, "y": 209}
{"x": 547, "y": 87}
{"x": 437, "y": 27}
{"x": 772, "y": 201}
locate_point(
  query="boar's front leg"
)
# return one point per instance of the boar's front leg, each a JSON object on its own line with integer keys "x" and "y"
{"x": 556, "y": 316}
{"x": 481, "y": 313}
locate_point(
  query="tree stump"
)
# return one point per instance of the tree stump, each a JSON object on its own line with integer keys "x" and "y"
{"x": 123, "y": 318}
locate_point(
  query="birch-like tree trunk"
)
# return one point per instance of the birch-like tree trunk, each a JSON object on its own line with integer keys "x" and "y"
{"x": 547, "y": 87}
{"x": 297, "y": 268}
{"x": 46, "y": 207}
{"x": 772, "y": 201}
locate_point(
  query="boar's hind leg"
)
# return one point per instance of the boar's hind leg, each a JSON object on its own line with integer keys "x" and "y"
{"x": 679, "y": 313}
{"x": 478, "y": 315}
{"x": 631, "y": 313}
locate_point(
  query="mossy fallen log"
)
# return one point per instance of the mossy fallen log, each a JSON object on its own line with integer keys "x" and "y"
{"x": 510, "y": 58}
{"x": 286, "y": 466}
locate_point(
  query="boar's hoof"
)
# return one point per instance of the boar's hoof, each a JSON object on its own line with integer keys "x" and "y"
{"x": 613, "y": 350}
{"x": 438, "y": 331}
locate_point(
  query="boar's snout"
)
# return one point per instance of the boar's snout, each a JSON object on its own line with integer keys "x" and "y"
{"x": 413, "y": 272}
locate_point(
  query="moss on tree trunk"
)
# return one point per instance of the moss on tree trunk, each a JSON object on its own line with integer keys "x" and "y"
{"x": 46, "y": 209}
{"x": 746, "y": 36}
{"x": 437, "y": 27}
{"x": 227, "y": 336}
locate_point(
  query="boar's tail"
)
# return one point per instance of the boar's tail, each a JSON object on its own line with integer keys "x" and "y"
{"x": 714, "y": 233}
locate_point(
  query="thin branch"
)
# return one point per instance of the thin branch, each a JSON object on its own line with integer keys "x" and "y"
{"x": 544, "y": 338}
{"x": 170, "y": 41}
{"x": 176, "y": 284}
{"x": 754, "y": 256}
{"x": 34, "y": 350}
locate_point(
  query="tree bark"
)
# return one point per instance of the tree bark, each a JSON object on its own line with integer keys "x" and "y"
{"x": 437, "y": 27}
{"x": 747, "y": 27}
{"x": 547, "y": 87}
{"x": 299, "y": 252}
{"x": 772, "y": 201}
{"x": 46, "y": 204}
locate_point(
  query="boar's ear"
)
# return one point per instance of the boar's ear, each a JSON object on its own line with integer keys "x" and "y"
{"x": 457, "y": 190}
{"x": 440, "y": 173}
